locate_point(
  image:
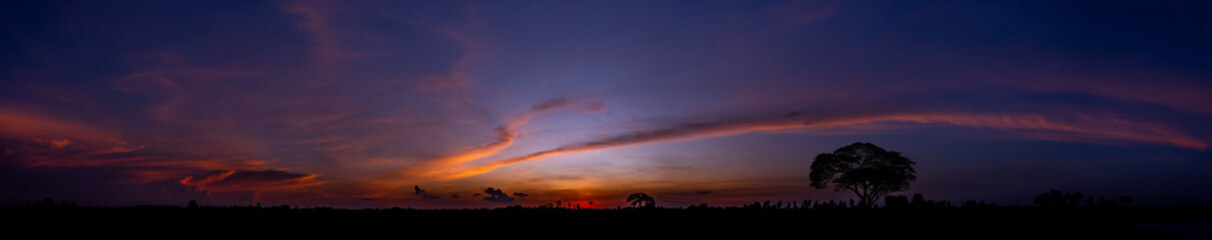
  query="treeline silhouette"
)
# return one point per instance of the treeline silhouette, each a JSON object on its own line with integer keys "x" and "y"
{"x": 1054, "y": 215}
{"x": 1056, "y": 198}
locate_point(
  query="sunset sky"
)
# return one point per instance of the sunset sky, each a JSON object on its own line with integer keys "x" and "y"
{"x": 434, "y": 104}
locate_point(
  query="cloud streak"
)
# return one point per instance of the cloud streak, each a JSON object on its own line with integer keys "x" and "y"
{"x": 268, "y": 180}
{"x": 22, "y": 125}
{"x": 1077, "y": 128}
{"x": 506, "y": 134}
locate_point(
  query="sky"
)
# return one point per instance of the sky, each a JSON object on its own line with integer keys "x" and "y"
{"x": 481, "y": 104}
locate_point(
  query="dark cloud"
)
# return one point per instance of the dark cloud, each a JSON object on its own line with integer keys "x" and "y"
{"x": 518, "y": 194}
{"x": 454, "y": 195}
{"x": 496, "y": 195}
{"x": 421, "y": 192}
{"x": 703, "y": 192}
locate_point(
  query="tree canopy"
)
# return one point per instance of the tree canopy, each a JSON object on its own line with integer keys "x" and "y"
{"x": 641, "y": 200}
{"x": 865, "y": 169}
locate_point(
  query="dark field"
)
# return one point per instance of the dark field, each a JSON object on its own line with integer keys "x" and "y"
{"x": 1139, "y": 222}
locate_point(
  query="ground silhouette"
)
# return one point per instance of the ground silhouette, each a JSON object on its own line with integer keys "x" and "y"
{"x": 920, "y": 217}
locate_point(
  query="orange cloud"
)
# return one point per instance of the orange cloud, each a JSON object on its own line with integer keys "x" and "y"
{"x": 267, "y": 180}
{"x": 506, "y": 135}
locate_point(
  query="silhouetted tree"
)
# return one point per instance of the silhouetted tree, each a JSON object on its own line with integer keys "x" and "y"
{"x": 192, "y": 204}
{"x": 641, "y": 200}
{"x": 865, "y": 169}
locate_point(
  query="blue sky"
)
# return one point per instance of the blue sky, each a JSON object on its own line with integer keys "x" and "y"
{"x": 361, "y": 103}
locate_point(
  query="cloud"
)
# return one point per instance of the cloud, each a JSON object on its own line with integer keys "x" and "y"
{"x": 1170, "y": 91}
{"x": 496, "y": 195}
{"x": 1072, "y": 127}
{"x": 702, "y": 192}
{"x": 18, "y": 124}
{"x": 326, "y": 24}
{"x": 51, "y": 142}
{"x": 506, "y": 134}
{"x": 268, "y": 180}
{"x": 521, "y": 195}
{"x": 422, "y": 193}
{"x": 680, "y": 131}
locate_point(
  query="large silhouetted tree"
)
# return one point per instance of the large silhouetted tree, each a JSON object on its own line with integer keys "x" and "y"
{"x": 865, "y": 169}
{"x": 641, "y": 200}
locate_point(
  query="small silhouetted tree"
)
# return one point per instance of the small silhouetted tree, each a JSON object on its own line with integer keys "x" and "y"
{"x": 641, "y": 200}
{"x": 865, "y": 169}
{"x": 192, "y": 204}
{"x": 1056, "y": 198}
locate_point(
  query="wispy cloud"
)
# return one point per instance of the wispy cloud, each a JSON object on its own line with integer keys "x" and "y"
{"x": 16, "y": 123}
{"x": 1079, "y": 128}
{"x": 267, "y": 180}
{"x": 506, "y": 134}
